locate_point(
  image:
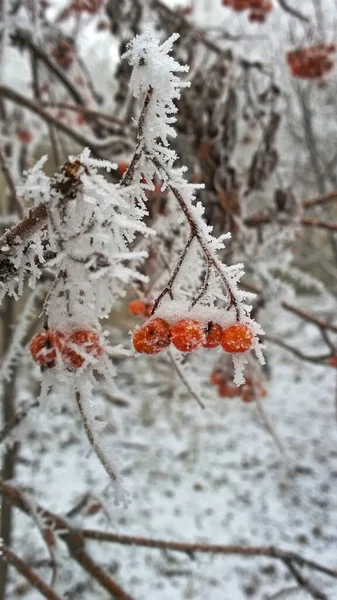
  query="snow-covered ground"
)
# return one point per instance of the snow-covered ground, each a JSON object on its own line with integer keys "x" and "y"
{"x": 211, "y": 475}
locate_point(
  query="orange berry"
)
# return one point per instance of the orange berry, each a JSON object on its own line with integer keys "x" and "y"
{"x": 332, "y": 362}
{"x": 87, "y": 342}
{"x": 187, "y": 335}
{"x": 216, "y": 377}
{"x": 153, "y": 337}
{"x": 248, "y": 396}
{"x": 228, "y": 390}
{"x": 237, "y": 338}
{"x": 122, "y": 167}
{"x": 213, "y": 333}
{"x": 24, "y": 136}
{"x": 45, "y": 346}
{"x": 138, "y": 308}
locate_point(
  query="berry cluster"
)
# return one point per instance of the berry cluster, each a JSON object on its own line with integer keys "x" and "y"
{"x": 258, "y": 9}
{"x": 188, "y": 335}
{"x": 311, "y": 62}
{"x": 74, "y": 349}
{"x": 248, "y": 392}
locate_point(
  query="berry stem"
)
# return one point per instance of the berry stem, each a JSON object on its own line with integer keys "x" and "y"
{"x": 168, "y": 288}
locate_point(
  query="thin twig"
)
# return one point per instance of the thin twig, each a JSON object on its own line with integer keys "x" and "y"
{"x": 71, "y": 537}
{"x": 204, "y": 548}
{"x": 183, "y": 379}
{"x": 303, "y": 582}
{"x": 293, "y": 11}
{"x": 92, "y": 438}
{"x": 168, "y": 288}
{"x": 316, "y": 360}
{"x": 21, "y": 566}
{"x": 10, "y": 182}
{"x": 268, "y": 425}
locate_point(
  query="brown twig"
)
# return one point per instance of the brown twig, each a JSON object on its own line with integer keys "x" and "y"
{"x": 322, "y": 199}
{"x": 303, "y": 582}
{"x": 87, "y": 112}
{"x": 293, "y": 11}
{"x": 24, "y": 38}
{"x": 71, "y": 537}
{"x": 264, "y": 219}
{"x": 204, "y": 548}
{"x": 316, "y": 360}
{"x": 6, "y": 554}
{"x": 10, "y": 94}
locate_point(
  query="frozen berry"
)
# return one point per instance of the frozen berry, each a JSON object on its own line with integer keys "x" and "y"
{"x": 187, "y": 335}
{"x": 213, "y": 333}
{"x": 80, "y": 346}
{"x": 153, "y": 337}
{"x": 45, "y": 346}
{"x": 237, "y": 338}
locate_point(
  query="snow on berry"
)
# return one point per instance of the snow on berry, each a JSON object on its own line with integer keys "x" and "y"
{"x": 46, "y": 346}
{"x": 237, "y": 338}
{"x": 153, "y": 337}
{"x": 80, "y": 347}
{"x": 187, "y": 335}
{"x": 213, "y": 333}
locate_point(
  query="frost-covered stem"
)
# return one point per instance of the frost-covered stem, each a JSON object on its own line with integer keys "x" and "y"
{"x": 204, "y": 286}
{"x": 210, "y": 256}
{"x": 204, "y": 548}
{"x": 129, "y": 174}
{"x": 93, "y": 438}
{"x": 10, "y": 182}
{"x": 9, "y": 557}
{"x": 168, "y": 288}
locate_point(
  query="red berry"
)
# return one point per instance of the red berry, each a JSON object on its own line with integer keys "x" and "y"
{"x": 213, "y": 333}
{"x": 228, "y": 390}
{"x": 24, "y": 136}
{"x": 237, "y": 338}
{"x": 140, "y": 308}
{"x": 187, "y": 335}
{"x": 216, "y": 377}
{"x": 87, "y": 342}
{"x": 122, "y": 167}
{"x": 153, "y": 337}
{"x": 45, "y": 346}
